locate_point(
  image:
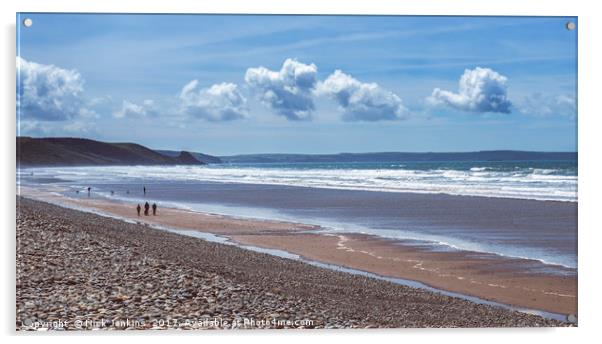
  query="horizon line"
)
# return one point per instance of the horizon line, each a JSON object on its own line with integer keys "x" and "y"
{"x": 330, "y": 153}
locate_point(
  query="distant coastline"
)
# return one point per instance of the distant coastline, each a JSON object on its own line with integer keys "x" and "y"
{"x": 493, "y": 155}
{"x": 67, "y": 151}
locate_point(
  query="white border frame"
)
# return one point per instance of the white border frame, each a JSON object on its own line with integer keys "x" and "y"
{"x": 588, "y": 141}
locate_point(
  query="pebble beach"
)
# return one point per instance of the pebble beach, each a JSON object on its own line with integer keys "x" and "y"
{"x": 80, "y": 271}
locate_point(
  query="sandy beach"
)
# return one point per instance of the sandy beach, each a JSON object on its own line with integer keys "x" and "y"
{"x": 486, "y": 276}
{"x": 93, "y": 271}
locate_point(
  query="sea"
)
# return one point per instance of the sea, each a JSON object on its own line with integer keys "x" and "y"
{"x": 522, "y": 209}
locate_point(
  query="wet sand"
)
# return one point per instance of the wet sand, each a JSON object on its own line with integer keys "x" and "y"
{"x": 489, "y": 277}
{"x": 485, "y": 276}
{"x": 171, "y": 217}
{"x": 502, "y": 225}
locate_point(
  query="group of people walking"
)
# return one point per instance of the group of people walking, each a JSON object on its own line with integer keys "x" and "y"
{"x": 147, "y": 208}
{"x": 146, "y": 205}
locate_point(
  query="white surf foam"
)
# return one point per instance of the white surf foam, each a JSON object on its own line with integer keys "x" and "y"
{"x": 538, "y": 184}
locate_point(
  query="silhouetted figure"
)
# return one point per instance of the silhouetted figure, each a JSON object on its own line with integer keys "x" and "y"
{"x": 154, "y": 208}
{"x": 89, "y": 188}
{"x": 112, "y": 192}
{"x": 146, "y": 207}
{"x": 138, "y": 208}
{"x": 144, "y": 189}
{"x": 76, "y": 191}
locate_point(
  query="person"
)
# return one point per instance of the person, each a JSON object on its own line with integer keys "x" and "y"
{"x": 89, "y": 188}
{"x": 112, "y": 192}
{"x": 154, "y": 208}
{"x": 138, "y": 208}
{"x": 146, "y": 206}
{"x": 144, "y": 189}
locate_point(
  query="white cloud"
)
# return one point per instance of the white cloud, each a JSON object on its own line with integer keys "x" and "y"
{"x": 100, "y": 100}
{"x": 220, "y": 102}
{"x": 362, "y": 101}
{"x": 49, "y": 93}
{"x": 79, "y": 127}
{"x": 87, "y": 113}
{"x": 129, "y": 109}
{"x": 287, "y": 91}
{"x": 538, "y": 104}
{"x": 480, "y": 90}
{"x": 31, "y": 128}
{"x": 54, "y": 128}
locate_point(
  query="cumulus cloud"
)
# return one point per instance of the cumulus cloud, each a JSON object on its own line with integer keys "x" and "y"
{"x": 538, "y": 104}
{"x": 220, "y": 102}
{"x": 362, "y": 101}
{"x": 480, "y": 90}
{"x": 49, "y": 93}
{"x": 287, "y": 91}
{"x": 129, "y": 109}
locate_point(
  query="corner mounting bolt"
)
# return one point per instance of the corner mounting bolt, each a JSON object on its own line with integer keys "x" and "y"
{"x": 570, "y": 26}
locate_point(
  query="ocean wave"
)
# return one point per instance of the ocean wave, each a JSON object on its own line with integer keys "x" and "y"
{"x": 527, "y": 183}
{"x": 543, "y": 171}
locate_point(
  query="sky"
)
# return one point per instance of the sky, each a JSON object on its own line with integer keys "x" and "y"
{"x": 240, "y": 84}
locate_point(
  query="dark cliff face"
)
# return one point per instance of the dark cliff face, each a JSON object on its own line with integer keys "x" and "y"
{"x": 85, "y": 152}
{"x": 185, "y": 158}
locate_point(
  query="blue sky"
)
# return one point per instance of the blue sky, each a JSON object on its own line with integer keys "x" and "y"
{"x": 224, "y": 84}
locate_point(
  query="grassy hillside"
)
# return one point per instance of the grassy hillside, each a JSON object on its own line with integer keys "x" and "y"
{"x": 63, "y": 151}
